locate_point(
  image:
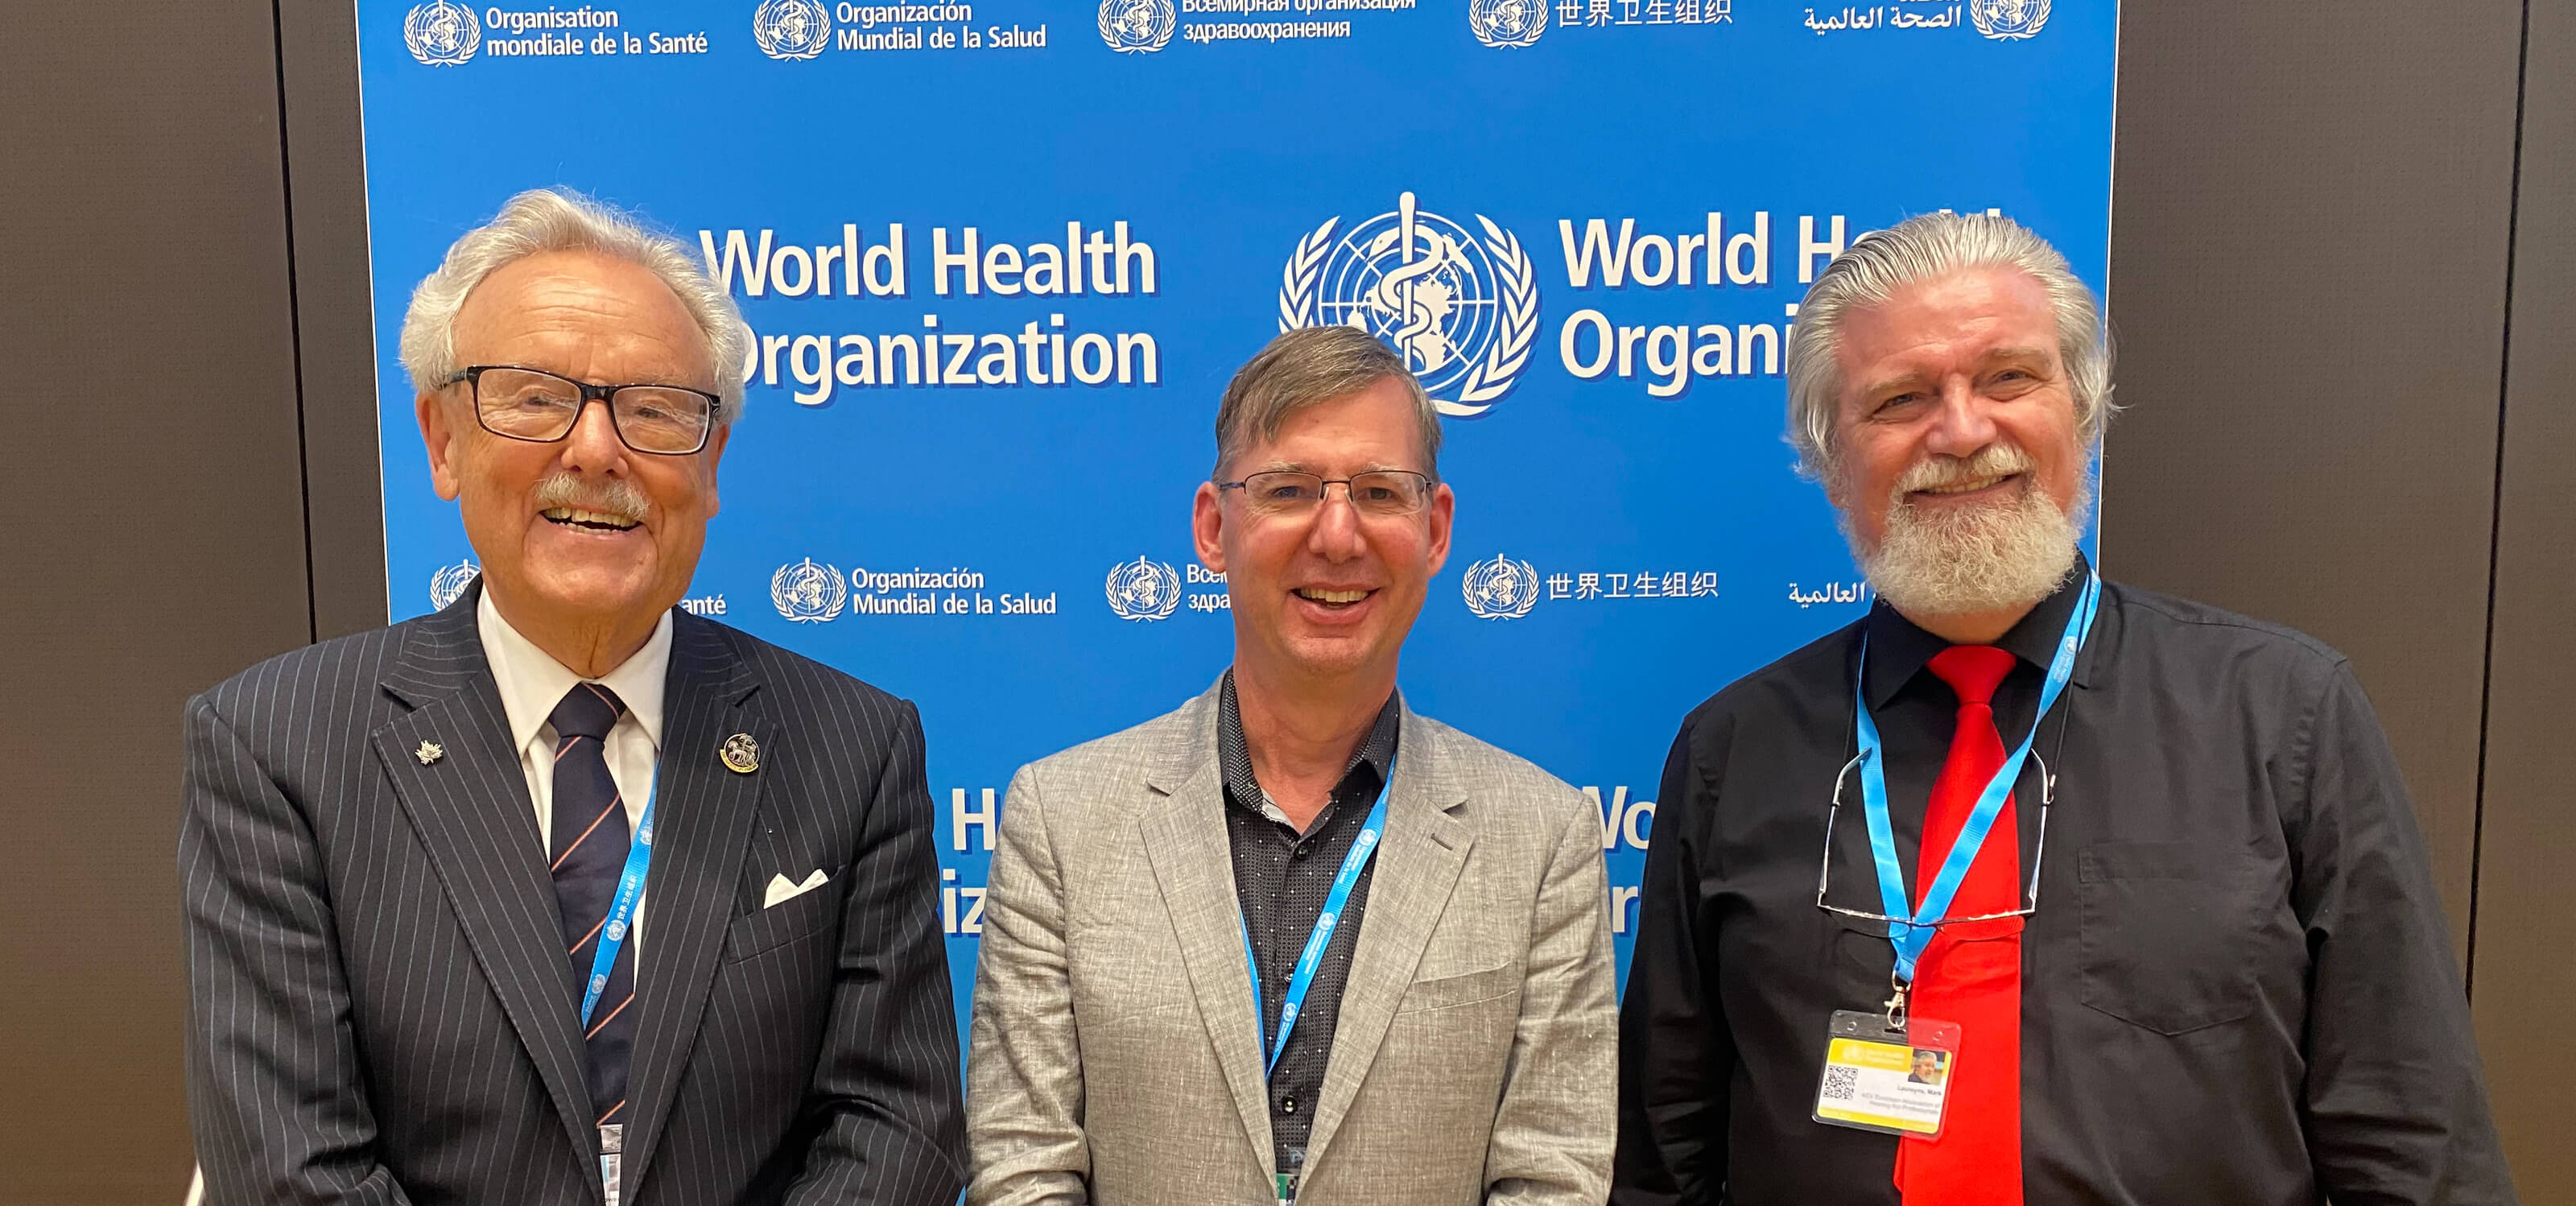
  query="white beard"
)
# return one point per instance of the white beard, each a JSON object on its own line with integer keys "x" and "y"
{"x": 1966, "y": 561}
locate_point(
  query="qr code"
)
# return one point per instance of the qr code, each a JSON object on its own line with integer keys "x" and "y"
{"x": 1841, "y": 1084}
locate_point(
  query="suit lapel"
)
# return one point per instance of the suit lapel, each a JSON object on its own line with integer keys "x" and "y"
{"x": 1426, "y": 845}
{"x": 1185, "y": 838}
{"x": 702, "y": 827}
{"x": 469, "y": 804}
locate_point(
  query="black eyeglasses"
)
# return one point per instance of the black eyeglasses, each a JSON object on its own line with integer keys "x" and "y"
{"x": 1288, "y": 492}
{"x": 540, "y": 407}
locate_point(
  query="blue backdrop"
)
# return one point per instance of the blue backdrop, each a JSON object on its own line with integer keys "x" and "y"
{"x": 1588, "y": 222}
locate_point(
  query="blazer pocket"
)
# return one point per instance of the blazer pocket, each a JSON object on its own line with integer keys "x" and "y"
{"x": 2163, "y": 928}
{"x": 800, "y": 916}
{"x": 1449, "y": 992}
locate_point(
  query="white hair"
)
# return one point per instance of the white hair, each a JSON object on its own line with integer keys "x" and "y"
{"x": 541, "y": 220}
{"x": 1917, "y": 249}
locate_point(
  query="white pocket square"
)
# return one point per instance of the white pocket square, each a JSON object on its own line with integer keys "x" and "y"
{"x": 783, "y": 889}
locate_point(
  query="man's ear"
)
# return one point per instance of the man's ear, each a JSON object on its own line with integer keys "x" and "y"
{"x": 438, "y": 434}
{"x": 715, "y": 454}
{"x": 1444, "y": 514}
{"x": 1830, "y": 476}
{"x": 1207, "y": 527}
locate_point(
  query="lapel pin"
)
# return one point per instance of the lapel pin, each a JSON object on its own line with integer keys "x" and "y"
{"x": 429, "y": 751}
{"x": 740, "y": 753}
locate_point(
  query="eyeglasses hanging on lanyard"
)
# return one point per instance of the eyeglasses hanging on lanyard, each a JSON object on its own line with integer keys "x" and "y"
{"x": 1910, "y": 930}
{"x": 2030, "y": 887}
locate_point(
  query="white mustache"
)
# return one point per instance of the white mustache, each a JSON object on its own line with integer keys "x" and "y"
{"x": 1993, "y": 460}
{"x": 608, "y": 496}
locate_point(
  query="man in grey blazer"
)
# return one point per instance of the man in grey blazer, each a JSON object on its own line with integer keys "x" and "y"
{"x": 1294, "y": 941}
{"x": 562, "y": 894}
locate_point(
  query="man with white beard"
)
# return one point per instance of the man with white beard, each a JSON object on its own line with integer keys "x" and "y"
{"x": 2140, "y": 873}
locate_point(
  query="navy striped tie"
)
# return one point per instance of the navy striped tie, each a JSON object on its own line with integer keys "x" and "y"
{"x": 590, "y": 841}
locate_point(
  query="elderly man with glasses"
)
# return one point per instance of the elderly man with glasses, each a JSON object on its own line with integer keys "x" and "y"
{"x": 563, "y": 894}
{"x": 2138, "y": 876}
{"x": 1295, "y": 941}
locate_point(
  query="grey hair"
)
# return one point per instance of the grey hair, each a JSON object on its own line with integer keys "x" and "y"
{"x": 1309, "y": 366}
{"x": 1919, "y": 248}
{"x": 541, "y": 220}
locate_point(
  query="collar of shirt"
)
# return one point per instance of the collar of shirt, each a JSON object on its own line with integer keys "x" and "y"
{"x": 1234, "y": 756}
{"x": 1899, "y": 649}
{"x": 532, "y": 682}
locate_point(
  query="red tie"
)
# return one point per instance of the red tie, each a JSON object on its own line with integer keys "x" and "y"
{"x": 1971, "y": 973}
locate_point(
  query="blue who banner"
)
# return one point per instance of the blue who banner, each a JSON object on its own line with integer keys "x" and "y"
{"x": 1001, "y": 256}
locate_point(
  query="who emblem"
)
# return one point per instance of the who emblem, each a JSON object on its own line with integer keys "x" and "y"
{"x": 1143, "y": 590}
{"x": 807, "y": 593}
{"x": 1461, "y": 310}
{"x": 442, "y": 33}
{"x": 791, "y": 29}
{"x": 1500, "y": 588}
{"x": 2008, "y": 20}
{"x": 1507, "y": 23}
{"x": 1137, "y": 26}
{"x": 447, "y": 584}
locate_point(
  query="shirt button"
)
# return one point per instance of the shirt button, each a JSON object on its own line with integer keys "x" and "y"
{"x": 1287, "y": 1105}
{"x": 1301, "y": 853}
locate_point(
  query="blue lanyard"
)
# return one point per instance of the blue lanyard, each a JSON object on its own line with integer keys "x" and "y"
{"x": 1911, "y": 936}
{"x": 1303, "y": 977}
{"x": 621, "y": 913}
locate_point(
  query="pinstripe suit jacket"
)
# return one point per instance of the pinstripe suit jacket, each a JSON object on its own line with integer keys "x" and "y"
{"x": 380, "y": 1009}
{"x": 1115, "y": 1048}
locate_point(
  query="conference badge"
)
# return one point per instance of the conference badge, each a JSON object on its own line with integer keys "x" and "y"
{"x": 1883, "y": 1078}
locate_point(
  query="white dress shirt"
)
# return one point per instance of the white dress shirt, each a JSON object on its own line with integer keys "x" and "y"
{"x": 532, "y": 682}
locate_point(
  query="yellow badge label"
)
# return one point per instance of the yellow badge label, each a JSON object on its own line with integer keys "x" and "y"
{"x": 1884, "y": 1086}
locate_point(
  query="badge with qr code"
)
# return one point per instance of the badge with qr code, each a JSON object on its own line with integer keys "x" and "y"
{"x": 1879, "y": 1078}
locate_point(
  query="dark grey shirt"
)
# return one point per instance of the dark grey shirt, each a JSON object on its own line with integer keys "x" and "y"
{"x": 1281, "y": 879}
{"x": 2238, "y": 986}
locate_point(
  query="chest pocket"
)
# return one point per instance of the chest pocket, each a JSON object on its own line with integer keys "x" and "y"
{"x": 799, "y": 916}
{"x": 1450, "y": 992}
{"x": 1863, "y": 962}
{"x": 2165, "y": 928}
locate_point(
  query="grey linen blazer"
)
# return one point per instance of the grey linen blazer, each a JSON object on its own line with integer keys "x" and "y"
{"x": 1114, "y": 1056}
{"x": 380, "y": 1009}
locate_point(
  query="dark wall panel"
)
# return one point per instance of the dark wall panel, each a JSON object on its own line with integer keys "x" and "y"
{"x": 155, "y": 544}
{"x": 2309, "y": 282}
{"x": 2523, "y": 970}
{"x": 335, "y": 328}
{"x": 2307, "y": 286}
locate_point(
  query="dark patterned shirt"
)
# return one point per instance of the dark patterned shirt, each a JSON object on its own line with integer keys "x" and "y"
{"x": 1281, "y": 878}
